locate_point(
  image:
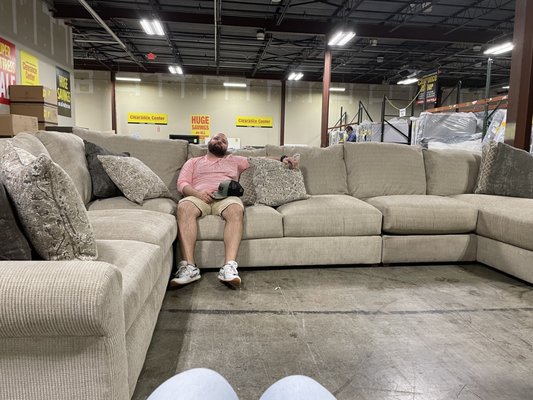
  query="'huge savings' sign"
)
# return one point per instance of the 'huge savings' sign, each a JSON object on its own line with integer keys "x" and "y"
{"x": 8, "y": 62}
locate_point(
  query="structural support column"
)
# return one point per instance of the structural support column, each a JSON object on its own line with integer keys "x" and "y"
{"x": 326, "y": 79}
{"x": 113, "y": 103}
{"x": 282, "y": 114}
{"x": 520, "y": 109}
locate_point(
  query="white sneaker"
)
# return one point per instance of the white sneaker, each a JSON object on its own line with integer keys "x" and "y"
{"x": 185, "y": 274}
{"x": 228, "y": 274}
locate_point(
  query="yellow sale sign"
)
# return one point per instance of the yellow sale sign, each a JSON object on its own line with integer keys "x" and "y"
{"x": 253, "y": 122}
{"x": 29, "y": 69}
{"x": 147, "y": 118}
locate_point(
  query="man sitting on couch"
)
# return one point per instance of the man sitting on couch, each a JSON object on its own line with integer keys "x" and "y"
{"x": 199, "y": 179}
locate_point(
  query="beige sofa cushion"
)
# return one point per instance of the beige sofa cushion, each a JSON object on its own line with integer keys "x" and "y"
{"x": 424, "y": 215}
{"x": 167, "y": 206}
{"x": 164, "y": 157}
{"x": 506, "y": 219}
{"x": 260, "y": 221}
{"x": 323, "y": 169}
{"x": 381, "y": 169}
{"x": 140, "y": 265}
{"x": 330, "y": 215}
{"x": 450, "y": 172}
{"x": 68, "y": 151}
{"x": 141, "y": 225}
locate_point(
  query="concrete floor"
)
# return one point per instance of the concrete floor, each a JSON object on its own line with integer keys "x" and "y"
{"x": 411, "y": 332}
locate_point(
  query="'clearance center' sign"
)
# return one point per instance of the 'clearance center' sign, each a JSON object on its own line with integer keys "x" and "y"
{"x": 147, "y": 118}
{"x": 254, "y": 122}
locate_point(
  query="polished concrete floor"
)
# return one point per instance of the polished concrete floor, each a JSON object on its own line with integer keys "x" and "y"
{"x": 405, "y": 332}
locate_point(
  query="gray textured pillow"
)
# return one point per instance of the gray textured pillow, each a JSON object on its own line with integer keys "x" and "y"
{"x": 505, "y": 171}
{"x": 136, "y": 181}
{"x": 49, "y": 206}
{"x": 13, "y": 243}
{"x": 275, "y": 184}
{"x": 103, "y": 186}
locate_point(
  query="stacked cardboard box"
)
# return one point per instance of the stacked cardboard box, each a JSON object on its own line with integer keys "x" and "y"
{"x": 11, "y": 124}
{"x": 36, "y": 101}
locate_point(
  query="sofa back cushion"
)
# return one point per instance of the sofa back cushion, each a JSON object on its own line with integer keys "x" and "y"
{"x": 381, "y": 169}
{"x": 68, "y": 152}
{"x": 323, "y": 169}
{"x": 450, "y": 172}
{"x": 163, "y": 156}
{"x": 26, "y": 141}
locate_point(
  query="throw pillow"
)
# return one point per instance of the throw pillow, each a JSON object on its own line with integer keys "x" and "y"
{"x": 247, "y": 182}
{"x": 136, "y": 181}
{"x": 103, "y": 186}
{"x": 505, "y": 171}
{"x": 275, "y": 184}
{"x": 49, "y": 206}
{"x": 13, "y": 243}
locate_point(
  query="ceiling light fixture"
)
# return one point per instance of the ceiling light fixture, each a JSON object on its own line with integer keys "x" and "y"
{"x": 337, "y": 89}
{"x": 505, "y": 87}
{"x": 175, "y": 69}
{"x": 407, "y": 81}
{"x": 295, "y": 76}
{"x": 127, "y": 78}
{"x": 152, "y": 27}
{"x": 499, "y": 49}
{"x": 234, "y": 84}
{"x": 341, "y": 38}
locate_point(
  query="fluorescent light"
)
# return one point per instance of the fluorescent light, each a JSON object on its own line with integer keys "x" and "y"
{"x": 147, "y": 26}
{"x": 175, "y": 69}
{"x": 125, "y": 78}
{"x": 505, "y": 87}
{"x": 407, "y": 81}
{"x": 153, "y": 27}
{"x": 499, "y": 49}
{"x": 337, "y": 89}
{"x": 341, "y": 38}
{"x": 234, "y": 84}
{"x": 295, "y": 76}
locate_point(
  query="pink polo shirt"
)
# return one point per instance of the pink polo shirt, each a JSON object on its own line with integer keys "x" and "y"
{"x": 206, "y": 173}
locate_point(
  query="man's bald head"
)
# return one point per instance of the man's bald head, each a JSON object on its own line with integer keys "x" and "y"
{"x": 218, "y": 145}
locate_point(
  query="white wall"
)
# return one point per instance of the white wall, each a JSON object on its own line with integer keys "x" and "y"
{"x": 29, "y": 26}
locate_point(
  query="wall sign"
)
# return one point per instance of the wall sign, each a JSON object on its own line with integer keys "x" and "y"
{"x": 200, "y": 125}
{"x": 64, "y": 106}
{"x": 147, "y": 118}
{"x": 8, "y": 66}
{"x": 253, "y": 122}
{"x": 428, "y": 86}
{"x": 29, "y": 69}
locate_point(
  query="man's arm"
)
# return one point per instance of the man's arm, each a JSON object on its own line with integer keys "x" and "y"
{"x": 205, "y": 196}
{"x": 184, "y": 183}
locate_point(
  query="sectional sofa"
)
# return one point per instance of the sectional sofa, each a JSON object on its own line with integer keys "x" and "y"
{"x": 81, "y": 329}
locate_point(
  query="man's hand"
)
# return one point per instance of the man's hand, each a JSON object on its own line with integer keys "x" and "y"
{"x": 205, "y": 195}
{"x": 292, "y": 162}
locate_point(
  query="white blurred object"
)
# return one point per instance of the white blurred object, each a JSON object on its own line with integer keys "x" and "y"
{"x": 234, "y": 143}
{"x": 471, "y": 145}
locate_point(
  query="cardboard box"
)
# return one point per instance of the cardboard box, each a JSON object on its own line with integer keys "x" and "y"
{"x": 46, "y": 126}
{"x": 43, "y": 112}
{"x": 11, "y": 124}
{"x": 32, "y": 94}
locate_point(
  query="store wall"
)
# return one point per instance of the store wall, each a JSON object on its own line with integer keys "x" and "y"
{"x": 181, "y": 97}
{"x": 30, "y": 27}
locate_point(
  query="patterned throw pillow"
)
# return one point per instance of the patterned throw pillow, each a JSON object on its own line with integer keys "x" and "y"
{"x": 103, "y": 186}
{"x": 13, "y": 243}
{"x": 49, "y": 206}
{"x": 275, "y": 184}
{"x": 247, "y": 182}
{"x": 136, "y": 181}
{"x": 505, "y": 171}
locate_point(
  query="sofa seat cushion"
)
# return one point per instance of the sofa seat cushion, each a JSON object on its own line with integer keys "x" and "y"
{"x": 506, "y": 219}
{"x": 167, "y": 206}
{"x": 260, "y": 222}
{"x": 141, "y": 225}
{"x": 330, "y": 215}
{"x": 140, "y": 265}
{"x": 423, "y": 215}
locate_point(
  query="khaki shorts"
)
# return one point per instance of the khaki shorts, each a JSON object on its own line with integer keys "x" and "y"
{"x": 216, "y": 207}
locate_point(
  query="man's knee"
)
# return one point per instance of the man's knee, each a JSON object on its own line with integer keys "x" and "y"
{"x": 187, "y": 209}
{"x": 233, "y": 212}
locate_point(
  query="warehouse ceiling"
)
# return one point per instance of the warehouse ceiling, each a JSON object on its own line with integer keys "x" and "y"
{"x": 269, "y": 39}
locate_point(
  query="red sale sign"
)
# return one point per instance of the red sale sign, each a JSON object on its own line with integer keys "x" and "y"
{"x": 8, "y": 62}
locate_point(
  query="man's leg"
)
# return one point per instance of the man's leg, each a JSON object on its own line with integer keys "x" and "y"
{"x": 195, "y": 384}
{"x": 297, "y": 387}
{"x": 233, "y": 215}
{"x": 187, "y": 214}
